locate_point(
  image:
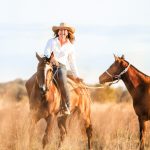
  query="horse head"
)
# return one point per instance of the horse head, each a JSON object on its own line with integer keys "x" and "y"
{"x": 44, "y": 73}
{"x": 115, "y": 71}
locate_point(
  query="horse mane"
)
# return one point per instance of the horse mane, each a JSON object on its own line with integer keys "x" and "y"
{"x": 139, "y": 72}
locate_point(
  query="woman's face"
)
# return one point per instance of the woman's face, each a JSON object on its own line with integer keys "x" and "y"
{"x": 62, "y": 33}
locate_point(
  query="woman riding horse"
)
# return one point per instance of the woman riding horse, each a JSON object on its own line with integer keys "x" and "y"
{"x": 45, "y": 102}
{"x": 61, "y": 49}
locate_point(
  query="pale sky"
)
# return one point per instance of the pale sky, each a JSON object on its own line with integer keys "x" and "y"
{"x": 103, "y": 28}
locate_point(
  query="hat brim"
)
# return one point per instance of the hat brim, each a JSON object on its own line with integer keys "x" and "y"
{"x": 56, "y": 28}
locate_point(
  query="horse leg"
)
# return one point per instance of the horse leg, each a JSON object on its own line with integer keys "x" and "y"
{"x": 89, "y": 135}
{"x": 88, "y": 129}
{"x": 142, "y": 126}
{"x": 33, "y": 120}
{"x": 49, "y": 120}
{"x": 62, "y": 127}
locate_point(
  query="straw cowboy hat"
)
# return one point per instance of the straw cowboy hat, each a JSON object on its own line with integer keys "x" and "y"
{"x": 63, "y": 26}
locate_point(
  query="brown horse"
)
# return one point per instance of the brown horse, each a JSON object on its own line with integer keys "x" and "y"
{"x": 138, "y": 85}
{"x": 45, "y": 102}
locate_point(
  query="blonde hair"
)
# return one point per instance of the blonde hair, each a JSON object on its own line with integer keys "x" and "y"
{"x": 70, "y": 36}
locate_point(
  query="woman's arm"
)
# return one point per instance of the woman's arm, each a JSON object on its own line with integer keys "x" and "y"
{"x": 72, "y": 63}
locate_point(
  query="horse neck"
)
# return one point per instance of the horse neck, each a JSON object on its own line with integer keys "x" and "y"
{"x": 35, "y": 94}
{"x": 52, "y": 93}
{"x": 133, "y": 78}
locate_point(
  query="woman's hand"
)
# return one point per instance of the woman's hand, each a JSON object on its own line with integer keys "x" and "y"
{"x": 54, "y": 61}
{"x": 79, "y": 79}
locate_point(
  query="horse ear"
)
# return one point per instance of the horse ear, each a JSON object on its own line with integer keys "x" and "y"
{"x": 116, "y": 58}
{"x": 38, "y": 56}
{"x": 122, "y": 57}
{"x": 52, "y": 55}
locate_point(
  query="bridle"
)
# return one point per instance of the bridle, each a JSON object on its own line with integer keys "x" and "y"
{"x": 117, "y": 77}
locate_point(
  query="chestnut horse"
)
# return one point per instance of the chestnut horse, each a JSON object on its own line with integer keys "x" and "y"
{"x": 138, "y": 85}
{"x": 45, "y": 102}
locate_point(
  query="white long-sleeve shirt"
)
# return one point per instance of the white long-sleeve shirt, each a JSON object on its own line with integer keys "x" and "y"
{"x": 63, "y": 54}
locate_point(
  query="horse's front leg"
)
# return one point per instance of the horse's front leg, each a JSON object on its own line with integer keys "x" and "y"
{"x": 62, "y": 127}
{"x": 86, "y": 122}
{"x": 142, "y": 126}
{"x": 33, "y": 120}
{"x": 89, "y": 135}
{"x": 50, "y": 121}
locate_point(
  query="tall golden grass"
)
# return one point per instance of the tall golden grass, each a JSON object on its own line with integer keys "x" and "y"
{"x": 115, "y": 127}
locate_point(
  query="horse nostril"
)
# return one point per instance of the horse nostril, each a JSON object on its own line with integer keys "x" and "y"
{"x": 42, "y": 88}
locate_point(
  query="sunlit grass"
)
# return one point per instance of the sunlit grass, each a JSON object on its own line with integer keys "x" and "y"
{"x": 115, "y": 127}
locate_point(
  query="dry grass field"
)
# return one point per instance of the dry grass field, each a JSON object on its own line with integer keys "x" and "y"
{"x": 115, "y": 125}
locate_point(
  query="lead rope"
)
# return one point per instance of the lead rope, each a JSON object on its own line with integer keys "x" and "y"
{"x": 114, "y": 82}
{"x": 93, "y": 87}
{"x": 86, "y": 87}
{"x": 86, "y": 92}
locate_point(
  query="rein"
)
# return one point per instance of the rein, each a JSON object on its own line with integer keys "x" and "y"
{"x": 85, "y": 85}
{"x": 89, "y": 86}
{"x": 117, "y": 77}
{"x": 80, "y": 84}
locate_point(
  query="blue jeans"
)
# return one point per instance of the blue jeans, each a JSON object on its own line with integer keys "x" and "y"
{"x": 60, "y": 75}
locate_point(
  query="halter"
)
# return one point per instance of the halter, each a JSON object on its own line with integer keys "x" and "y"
{"x": 117, "y": 77}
